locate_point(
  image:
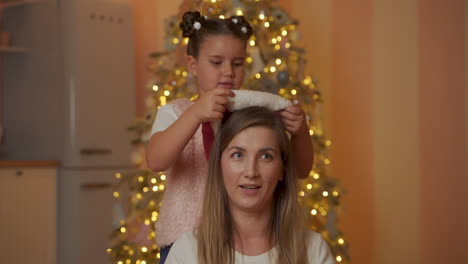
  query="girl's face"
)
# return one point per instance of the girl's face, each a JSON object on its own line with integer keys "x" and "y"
{"x": 252, "y": 166}
{"x": 220, "y": 63}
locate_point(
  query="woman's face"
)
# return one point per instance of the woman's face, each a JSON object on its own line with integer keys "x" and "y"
{"x": 252, "y": 166}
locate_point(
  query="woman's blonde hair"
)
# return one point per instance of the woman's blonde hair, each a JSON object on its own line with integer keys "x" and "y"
{"x": 215, "y": 235}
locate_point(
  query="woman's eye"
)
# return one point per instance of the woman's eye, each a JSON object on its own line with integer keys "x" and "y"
{"x": 236, "y": 155}
{"x": 267, "y": 156}
{"x": 216, "y": 62}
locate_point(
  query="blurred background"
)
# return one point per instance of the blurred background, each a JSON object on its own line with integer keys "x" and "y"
{"x": 395, "y": 106}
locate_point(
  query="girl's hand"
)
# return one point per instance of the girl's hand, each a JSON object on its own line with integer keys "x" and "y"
{"x": 211, "y": 105}
{"x": 293, "y": 119}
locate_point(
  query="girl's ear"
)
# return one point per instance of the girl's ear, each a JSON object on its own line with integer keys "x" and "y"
{"x": 192, "y": 65}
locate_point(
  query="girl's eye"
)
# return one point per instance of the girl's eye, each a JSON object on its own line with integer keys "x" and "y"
{"x": 237, "y": 64}
{"x": 216, "y": 62}
{"x": 267, "y": 156}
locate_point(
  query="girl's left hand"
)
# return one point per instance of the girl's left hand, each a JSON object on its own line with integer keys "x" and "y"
{"x": 293, "y": 119}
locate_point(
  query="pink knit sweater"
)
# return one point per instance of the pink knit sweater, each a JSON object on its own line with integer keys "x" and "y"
{"x": 186, "y": 180}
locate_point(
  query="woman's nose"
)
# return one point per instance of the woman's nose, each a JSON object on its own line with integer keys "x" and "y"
{"x": 251, "y": 170}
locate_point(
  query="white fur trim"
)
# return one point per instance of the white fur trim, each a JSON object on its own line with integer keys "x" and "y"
{"x": 244, "y": 99}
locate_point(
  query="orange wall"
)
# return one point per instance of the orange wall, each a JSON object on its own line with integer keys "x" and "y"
{"x": 442, "y": 132}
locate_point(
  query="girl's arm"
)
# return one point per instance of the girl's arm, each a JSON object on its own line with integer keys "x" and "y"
{"x": 165, "y": 146}
{"x": 293, "y": 118}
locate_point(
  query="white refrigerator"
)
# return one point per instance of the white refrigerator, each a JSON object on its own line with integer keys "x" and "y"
{"x": 70, "y": 98}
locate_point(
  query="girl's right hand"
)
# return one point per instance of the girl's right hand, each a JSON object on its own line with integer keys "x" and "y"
{"x": 211, "y": 105}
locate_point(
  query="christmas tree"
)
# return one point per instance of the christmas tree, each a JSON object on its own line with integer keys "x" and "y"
{"x": 274, "y": 64}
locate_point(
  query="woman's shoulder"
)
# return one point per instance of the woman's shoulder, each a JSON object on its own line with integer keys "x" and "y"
{"x": 184, "y": 249}
{"x": 318, "y": 249}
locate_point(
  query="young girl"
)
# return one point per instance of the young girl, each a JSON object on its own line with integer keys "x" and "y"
{"x": 182, "y": 131}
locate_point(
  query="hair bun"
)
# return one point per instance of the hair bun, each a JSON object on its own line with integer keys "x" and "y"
{"x": 243, "y": 25}
{"x": 188, "y": 21}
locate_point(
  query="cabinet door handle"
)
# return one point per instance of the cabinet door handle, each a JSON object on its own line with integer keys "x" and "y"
{"x": 95, "y": 151}
{"x": 95, "y": 185}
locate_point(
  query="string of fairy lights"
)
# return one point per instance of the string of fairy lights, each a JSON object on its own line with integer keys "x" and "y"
{"x": 274, "y": 64}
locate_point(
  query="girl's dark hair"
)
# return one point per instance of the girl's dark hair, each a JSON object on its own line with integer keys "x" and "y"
{"x": 236, "y": 26}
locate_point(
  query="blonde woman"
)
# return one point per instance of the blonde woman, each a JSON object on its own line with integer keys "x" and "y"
{"x": 250, "y": 208}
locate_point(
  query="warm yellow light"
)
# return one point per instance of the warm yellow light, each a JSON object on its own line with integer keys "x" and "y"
{"x": 328, "y": 143}
{"x": 161, "y": 187}
{"x": 249, "y": 59}
{"x": 293, "y": 92}
{"x": 327, "y": 161}
{"x": 316, "y": 176}
{"x": 340, "y": 241}
{"x": 278, "y": 61}
{"x": 152, "y": 203}
{"x": 116, "y": 194}
{"x": 123, "y": 229}
{"x": 287, "y": 45}
{"x": 315, "y": 96}
{"x": 258, "y": 75}
{"x": 178, "y": 72}
{"x": 301, "y": 193}
{"x": 158, "y": 255}
{"x": 163, "y": 177}
{"x": 167, "y": 93}
{"x": 153, "y": 180}
{"x": 143, "y": 262}
{"x": 313, "y": 212}
{"x": 252, "y": 42}
{"x": 144, "y": 249}
{"x": 307, "y": 80}
{"x": 265, "y": 69}
{"x": 128, "y": 261}
{"x": 311, "y": 132}
{"x": 279, "y": 38}
{"x": 155, "y": 188}
{"x": 267, "y": 24}
{"x": 155, "y": 88}
{"x": 239, "y": 12}
{"x": 184, "y": 74}
{"x": 147, "y": 222}
{"x": 284, "y": 32}
{"x": 277, "y": 47}
{"x": 273, "y": 69}
{"x": 261, "y": 16}
{"x": 131, "y": 252}
{"x": 339, "y": 258}
{"x": 335, "y": 193}
{"x": 120, "y": 262}
{"x": 186, "y": 41}
{"x": 325, "y": 193}
{"x": 154, "y": 218}
{"x": 213, "y": 1}
{"x": 140, "y": 178}
{"x": 175, "y": 40}
{"x": 139, "y": 196}
{"x": 292, "y": 27}
{"x": 118, "y": 175}
{"x": 309, "y": 186}
{"x": 221, "y": 17}
{"x": 274, "y": 41}
{"x": 145, "y": 189}
{"x": 282, "y": 91}
{"x": 109, "y": 250}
